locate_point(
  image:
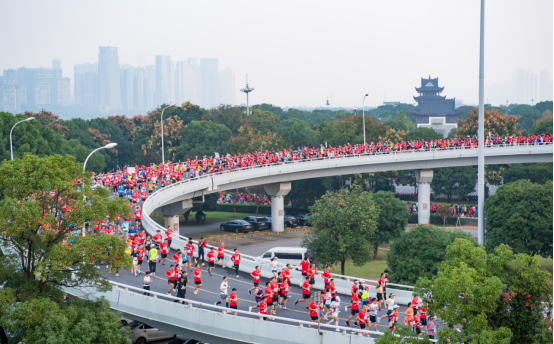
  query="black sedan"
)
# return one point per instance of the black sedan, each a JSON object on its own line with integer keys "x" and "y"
{"x": 236, "y": 226}
{"x": 258, "y": 222}
{"x": 290, "y": 221}
{"x": 304, "y": 220}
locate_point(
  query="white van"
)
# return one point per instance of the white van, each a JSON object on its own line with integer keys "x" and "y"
{"x": 285, "y": 255}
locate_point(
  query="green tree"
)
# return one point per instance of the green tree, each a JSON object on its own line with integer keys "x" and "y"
{"x": 538, "y": 173}
{"x": 450, "y": 181}
{"x": 444, "y": 212}
{"x": 544, "y": 106}
{"x": 402, "y": 335}
{"x": 544, "y": 127}
{"x": 203, "y": 138}
{"x": 400, "y": 122}
{"x": 419, "y": 253}
{"x": 344, "y": 226}
{"x": 422, "y": 133}
{"x": 305, "y": 192}
{"x": 495, "y": 297}
{"x": 393, "y": 219}
{"x": 42, "y": 320}
{"x": 519, "y": 214}
{"x": 297, "y": 133}
{"x": 46, "y": 251}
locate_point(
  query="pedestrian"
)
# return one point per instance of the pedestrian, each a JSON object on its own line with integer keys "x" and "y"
{"x": 390, "y": 303}
{"x": 221, "y": 254}
{"x": 223, "y": 293}
{"x": 182, "y": 286}
{"x": 153, "y": 261}
{"x": 211, "y": 261}
{"x": 361, "y": 319}
{"x": 236, "y": 261}
{"x": 284, "y": 288}
{"x": 373, "y": 319}
{"x": 197, "y": 279}
{"x": 354, "y": 309}
{"x": 274, "y": 266}
{"x": 146, "y": 284}
{"x": 201, "y": 246}
{"x": 164, "y": 249}
{"x": 171, "y": 278}
{"x": 306, "y": 294}
{"x": 233, "y": 300}
{"x": 256, "y": 275}
{"x": 313, "y": 312}
{"x": 190, "y": 252}
{"x": 262, "y": 307}
{"x": 305, "y": 264}
{"x": 431, "y": 328}
{"x": 335, "y": 310}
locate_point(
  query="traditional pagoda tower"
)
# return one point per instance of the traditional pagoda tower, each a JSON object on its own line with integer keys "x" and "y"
{"x": 433, "y": 110}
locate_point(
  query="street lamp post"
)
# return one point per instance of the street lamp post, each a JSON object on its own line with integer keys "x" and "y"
{"x": 11, "y": 145}
{"x": 163, "y": 151}
{"x": 481, "y": 136}
{"x": 108, "y": 146}
{"x": 363, "y": 115}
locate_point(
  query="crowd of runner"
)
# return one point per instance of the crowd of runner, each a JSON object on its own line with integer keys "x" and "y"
{"x": 148, "y": 251}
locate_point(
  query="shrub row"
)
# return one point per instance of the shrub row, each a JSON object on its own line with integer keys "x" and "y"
{"x": 435, "y": 220}
{"x": 247, "y": 208}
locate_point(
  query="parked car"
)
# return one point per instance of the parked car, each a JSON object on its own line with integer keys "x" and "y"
{"x": 125, "y": 321}
{"x": 142, "y": 333}
{"x": 258, "y": 222}
{"x": 290, "y": 221}
{"x": 269, "y": 222}
{"x": 285, "y": 255}
{"x": 304, "y": 220}
{"x": 236, "y": 226}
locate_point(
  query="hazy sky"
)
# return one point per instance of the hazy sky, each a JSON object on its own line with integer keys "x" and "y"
{"x": 295, "y": 52}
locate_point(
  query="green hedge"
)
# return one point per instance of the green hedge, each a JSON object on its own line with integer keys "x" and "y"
{"x": 246, "y": 208}
{"x": 435, "y": 220}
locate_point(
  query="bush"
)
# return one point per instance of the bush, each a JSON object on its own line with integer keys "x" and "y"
{"x": 247, "y": 208}
{"x": 435, "y": 220}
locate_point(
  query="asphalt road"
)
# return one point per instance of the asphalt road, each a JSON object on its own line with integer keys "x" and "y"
{"x": 209, "y": 293}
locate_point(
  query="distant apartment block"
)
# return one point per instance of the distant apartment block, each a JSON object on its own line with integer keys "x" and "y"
{"x": 109, "y": 78}
{"x": 210, "y": 83}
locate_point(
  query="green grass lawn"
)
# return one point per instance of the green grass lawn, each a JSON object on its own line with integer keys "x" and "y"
{"x": 371, "y": 270}
{"x": 212, "y": 216}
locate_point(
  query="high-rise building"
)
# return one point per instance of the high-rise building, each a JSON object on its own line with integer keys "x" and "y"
{"x": 210, "y": 88}
{"x": 126, "y": 87}
{"x": 141, "y": 59}
{"x": 545, "y": 86}
{"x": 12, "y": 95}
{"x": 163, "y": 91}
{"x": 109, "y": 78}
{"x": 84, "y": 76}
{"x": 56, "y": 64}
{"x": 138, "y": 88}
{"x": 149, "y": 86}
{"x": 227, "y": 87}
{"x": 179, "y": 81}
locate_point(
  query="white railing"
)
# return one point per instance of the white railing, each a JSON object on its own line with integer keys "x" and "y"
{"x": 120, "y": 287}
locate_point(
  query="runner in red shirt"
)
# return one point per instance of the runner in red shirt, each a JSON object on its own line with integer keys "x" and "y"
{"x": 285, "y": 292}
{"x": 327, "y": 276}
{"x": 197, "y": 279}
{"x": 256, "y": 274}
{"x": 172, "y": 276}
{"x": 313, "y": 312}
{"x": 140, "y": 252}
{"x": 142, "y": 236}
{"x": 211, "y": 260}
{"x": 275, "y": 289}
{"x": 164, "y": 248}
{"x": 221, "y": 254}
{"x": 361, "y": 318}
{"x": 138, "y": 216}
{"x": 177, "y": 260}
{"x": 234, "y": 299}
{"x": 135, "y": 197}
{"x": 263, "y": 308}
{"x": 306, "y": 294}
{"x": 169, "y": 235}
{"x": 158, "y": 239}
{"x": 236, "y": 261}
{"x": 305, "y": 264}
{"x": 354, "y": 309}
{"x": 190, "y": 252}
{"x": 111, "y": 230}
{"x": 311, "y": 275}
{"x": 143, "y": 195}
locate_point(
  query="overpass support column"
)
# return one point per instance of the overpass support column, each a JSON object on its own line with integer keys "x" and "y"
{"x": 172, "y": 211}
{"x": 277, "y": 191}
{"x": 423, "y": 180}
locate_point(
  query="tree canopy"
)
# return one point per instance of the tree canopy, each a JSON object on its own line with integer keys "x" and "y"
{"x": 344, "y": 226}
{"x": 393, "y": 218}
{"x": 454, "y": 181}
{"x": 496, "y": 123}
{"x": 519, "y": 214}
{"x": 496, "y": 297}
{"x": 41, "y": 214}
{"x": 422, "y": 133}
{"x": 419, "y": 253}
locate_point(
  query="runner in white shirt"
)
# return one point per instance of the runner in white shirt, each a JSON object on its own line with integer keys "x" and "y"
{"x": 372, "y": 312}
{"x": 335, "y": 310}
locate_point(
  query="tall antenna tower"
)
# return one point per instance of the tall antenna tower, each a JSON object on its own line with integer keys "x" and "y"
{"x": 327, "y": 103}
{"x": 247, "y": 90}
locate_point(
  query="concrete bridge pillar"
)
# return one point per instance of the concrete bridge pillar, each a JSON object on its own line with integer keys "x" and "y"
{"x": 172, "y": 211}
{"x": 277, "y": 191}
{"x": 423, "y": 180}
